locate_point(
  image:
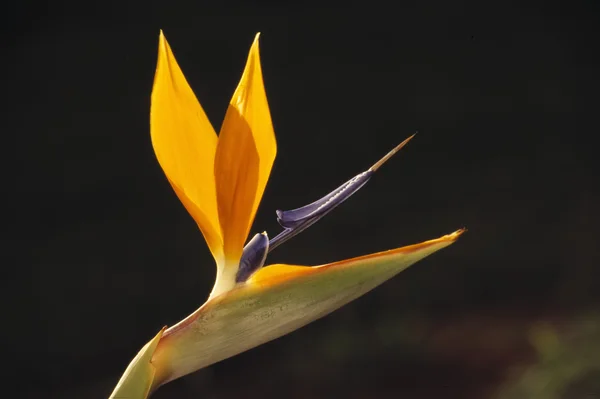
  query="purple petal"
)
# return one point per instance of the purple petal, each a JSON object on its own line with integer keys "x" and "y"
{"x": 294, "y": 217}
{"x": 297, "y": 220}
{"x": 253, "y": 257}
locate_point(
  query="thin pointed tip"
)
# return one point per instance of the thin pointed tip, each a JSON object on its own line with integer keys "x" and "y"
{"x": 161, "y": 36}
{"x": 390, "y": 154}
{"x": 255, "y": 47}
{"x": 162, "y": 41}
{"x": 453, "y": 236}
{"x": 256, "y": 41}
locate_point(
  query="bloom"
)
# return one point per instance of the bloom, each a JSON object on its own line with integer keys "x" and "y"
{"x": 220, "y": 181}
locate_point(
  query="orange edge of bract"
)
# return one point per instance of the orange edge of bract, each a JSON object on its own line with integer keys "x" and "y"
{"x": 290, "y": 272}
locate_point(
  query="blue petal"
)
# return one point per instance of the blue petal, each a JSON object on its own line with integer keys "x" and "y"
{"x": 297, "y": 220}
{"x": 294, "y": 217}
{"x": 253, "y": 257}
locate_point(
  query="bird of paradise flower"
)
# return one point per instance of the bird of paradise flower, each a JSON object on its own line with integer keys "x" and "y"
{"x": 220, "y": 181}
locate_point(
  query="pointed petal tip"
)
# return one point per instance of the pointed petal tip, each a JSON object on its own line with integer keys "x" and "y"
{"x": 163, "y": 45}
{"x": 255, "y": 43}
{"x": 161, "y": 36}
{"x": 454, "y": 235}
{"x": 390, "y": 154}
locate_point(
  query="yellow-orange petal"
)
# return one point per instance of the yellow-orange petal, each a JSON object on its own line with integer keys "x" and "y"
{"x": 245, "y": 154}
{"x": 185, "y": 144}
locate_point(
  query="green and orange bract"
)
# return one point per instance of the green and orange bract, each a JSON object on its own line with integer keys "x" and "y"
{"x": 220, "y": 180}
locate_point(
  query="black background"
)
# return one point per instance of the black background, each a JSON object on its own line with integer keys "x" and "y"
{"x": 99, "y": 253}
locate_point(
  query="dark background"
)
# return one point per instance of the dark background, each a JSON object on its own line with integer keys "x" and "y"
{"x": 99, "y": 253}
